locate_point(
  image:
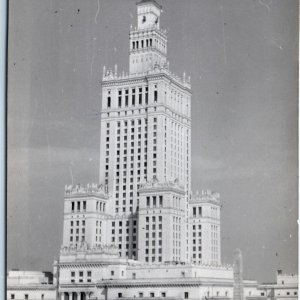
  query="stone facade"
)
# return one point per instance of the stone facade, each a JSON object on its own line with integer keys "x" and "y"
{"x": 31, "y": 285}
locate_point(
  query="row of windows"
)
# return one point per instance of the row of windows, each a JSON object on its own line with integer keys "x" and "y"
{"x": 197, "y": 211}
{"x": 154, "y": 218}
{"x": 100, "y": 206}
{"x": 121, "y": 223}
{"x": 154, "y": 203}
{"x": 147, "y": 43}
{"x": 113, "y": 231}
{"x": 151, "y": 295}
{"x": 153, "y": 235}
{"x": 153, "y": 259}
{"x": 77, "y": 223}
{"x": 195, "y": 227}
{"x": 26, "y": 296}
{"x": 153, "y": 243}
{"x": 153, "y": 251}
{"x": 78, "y": 205}
{"x": 77, "y": 231}
{"x": 124, "y": 101}
{"x": 154, "y": 226}
{"x": 80, "y": 276}
{"x": 77, "y": 238}
{"x": 143, "y": 43}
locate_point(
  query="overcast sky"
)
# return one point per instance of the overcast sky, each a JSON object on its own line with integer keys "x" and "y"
{"x": 242, "y": 59}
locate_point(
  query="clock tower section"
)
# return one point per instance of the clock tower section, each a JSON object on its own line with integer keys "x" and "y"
{"x": 148, "y": 43}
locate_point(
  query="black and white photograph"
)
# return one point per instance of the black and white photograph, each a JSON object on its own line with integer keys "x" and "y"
{"x": 152, "y": 150}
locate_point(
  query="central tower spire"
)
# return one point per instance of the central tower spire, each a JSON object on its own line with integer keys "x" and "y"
{"x": 148, "y": 43}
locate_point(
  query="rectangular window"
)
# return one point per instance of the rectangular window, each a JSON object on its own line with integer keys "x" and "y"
{"x": 26, "y": 296}
{"x": 160, "y": 201}
{"x": 133, "y": 97}
{"x": 186, "y": 295}
{"x": 154, "y": 201}
{"x": 146, "y": 96}
{"x": 108, "y": 102}
{"x": 120, "y": 99}
{"x": 84, "y": 205}
{"x": 194, "y": 211}
{"x": 12, "y": 296}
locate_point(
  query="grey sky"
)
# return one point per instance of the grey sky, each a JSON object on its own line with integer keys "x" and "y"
{"x": 242, "y": 59}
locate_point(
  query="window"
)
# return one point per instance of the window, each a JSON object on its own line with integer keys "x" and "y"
{"x": 163, "y": 294}
{"x": 146, "y": 95}
{"x": 12, "y": 296}
{"x": 42, "y": 296}
{"x": 160, "y": 201}
{"x": 112, "y": 273}
{"x": 119, "y": 295}
{"x": 186, "y": 295}
{"x": 133, "y": 97}
{"x": 108, "y": 102}
{"x": 81, "y": 273}
{"x": 194, "y": 211}
{"x": 152, "y": 295}
{"x": 141, "y": 295}
{"x": 26, "y": 296}
{"x": 72, "y": 274}
{"x": 89, "y": 273}
{"x": 155, "y": 96}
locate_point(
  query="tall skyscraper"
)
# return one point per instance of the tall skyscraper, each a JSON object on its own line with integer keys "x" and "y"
{"x": 143, "y": 203}
{"x": 145, "y": 136}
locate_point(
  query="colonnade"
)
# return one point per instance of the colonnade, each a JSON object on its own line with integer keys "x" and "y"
{"x": 74, "y": 295}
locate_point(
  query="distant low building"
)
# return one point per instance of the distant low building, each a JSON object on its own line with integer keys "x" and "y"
{"x": 286, "y": 287}
{"x": 31, "y": 285}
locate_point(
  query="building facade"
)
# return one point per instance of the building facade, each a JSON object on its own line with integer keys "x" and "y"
{"x": 146, "y": 208}
{"x": 30, "y": 285}
{"x": 286, "y": 287}
{"x": 141, "y": 232}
